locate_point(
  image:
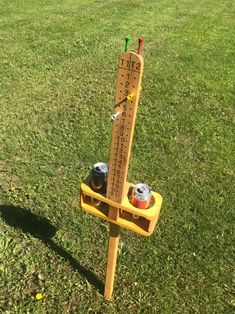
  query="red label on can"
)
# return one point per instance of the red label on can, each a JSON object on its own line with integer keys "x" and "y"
{"x": 142, "y": 204}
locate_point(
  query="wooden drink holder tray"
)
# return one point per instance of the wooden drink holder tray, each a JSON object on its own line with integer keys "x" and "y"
{"x": 141, "y": 221}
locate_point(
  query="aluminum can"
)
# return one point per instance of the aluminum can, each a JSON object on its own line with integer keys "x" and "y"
{"x": 141, "y": 196}
{"x": 99, "y": 175}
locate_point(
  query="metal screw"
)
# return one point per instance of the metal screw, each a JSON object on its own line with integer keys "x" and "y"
{"x": 114, "y": 116}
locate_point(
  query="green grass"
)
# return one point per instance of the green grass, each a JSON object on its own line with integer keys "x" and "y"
{"x": 58, "y": 70}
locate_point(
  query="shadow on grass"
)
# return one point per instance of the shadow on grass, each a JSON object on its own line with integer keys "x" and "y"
{"x": 41, "y": 228}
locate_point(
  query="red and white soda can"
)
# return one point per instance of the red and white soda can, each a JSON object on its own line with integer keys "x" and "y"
{"x": 141, "y": 196}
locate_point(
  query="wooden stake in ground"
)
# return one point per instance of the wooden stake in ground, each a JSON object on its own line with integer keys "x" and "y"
{"x": 130, "y": 72}
{"x": 114, "y": 236}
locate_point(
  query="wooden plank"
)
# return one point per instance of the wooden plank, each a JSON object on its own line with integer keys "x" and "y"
{"x": 130, "y": 72}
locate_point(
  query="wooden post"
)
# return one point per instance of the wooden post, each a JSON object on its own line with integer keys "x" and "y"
{"x": 130, "y": 72}
{"x": 114, "y": 235}
{"x": 116, "y": 207}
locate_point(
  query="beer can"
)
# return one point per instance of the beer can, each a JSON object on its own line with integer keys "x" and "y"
{"x": 99, "y": 175}
{"x": 141, "y": 196}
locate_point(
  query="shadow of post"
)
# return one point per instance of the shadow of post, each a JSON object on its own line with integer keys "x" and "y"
{"x": 41, "y": 228}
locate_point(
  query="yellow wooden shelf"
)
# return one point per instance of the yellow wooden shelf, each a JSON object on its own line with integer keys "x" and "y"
{"x": 142, "y": 221}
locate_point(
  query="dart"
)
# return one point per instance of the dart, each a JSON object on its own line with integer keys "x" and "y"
{"x": 141, "y": 41}
{"x": 127, "y": 40}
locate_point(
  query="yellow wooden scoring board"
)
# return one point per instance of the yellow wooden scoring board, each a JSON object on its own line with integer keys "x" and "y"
{"x": 130, "y": 72}
{"x": 115, "y": 206}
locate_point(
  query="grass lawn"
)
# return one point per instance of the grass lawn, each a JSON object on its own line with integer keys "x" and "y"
{"x": 58, "y": 63}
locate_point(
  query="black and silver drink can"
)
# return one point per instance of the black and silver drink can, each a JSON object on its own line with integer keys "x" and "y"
{"x": 99, "y": 175}
{"x": 141, "y": 196}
